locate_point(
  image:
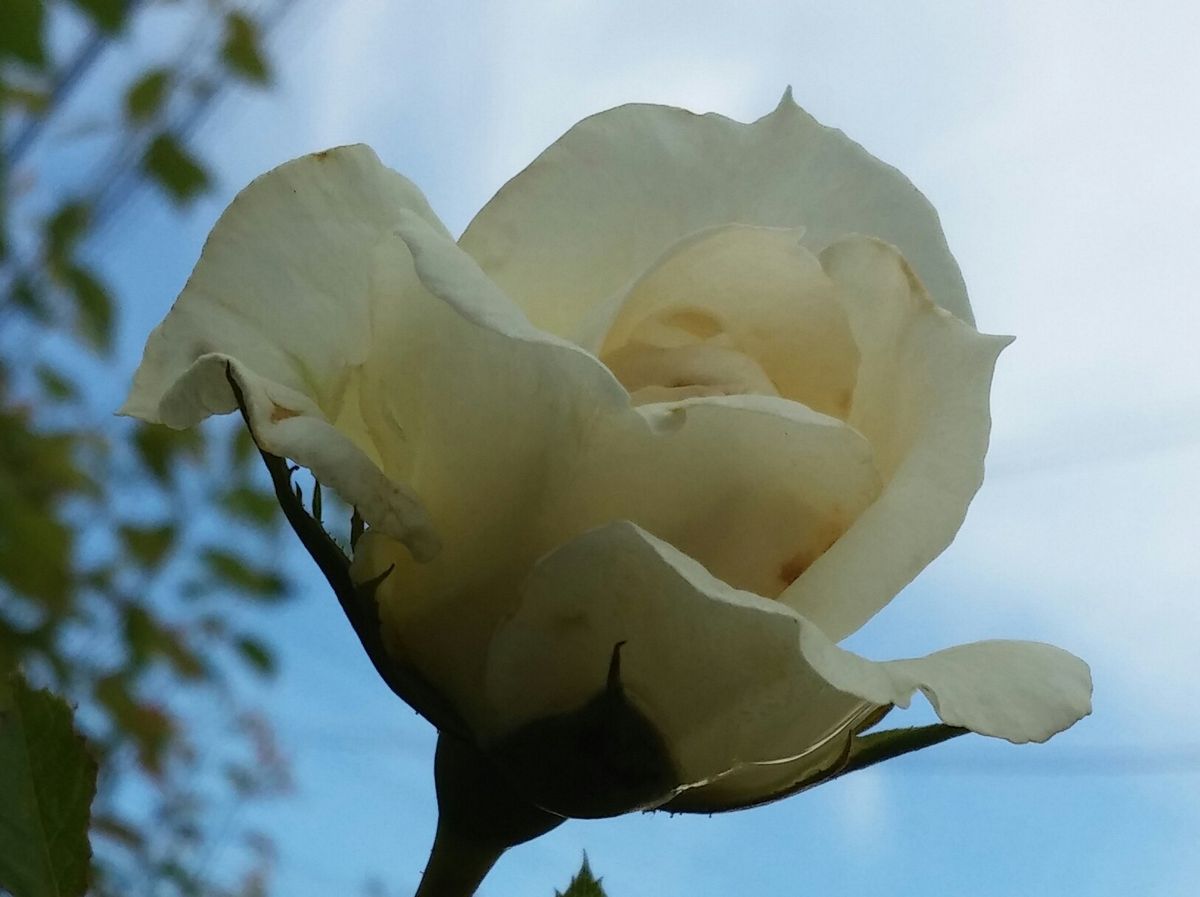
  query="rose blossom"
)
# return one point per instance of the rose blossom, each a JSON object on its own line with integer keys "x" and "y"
{"x": 691, "y": 400}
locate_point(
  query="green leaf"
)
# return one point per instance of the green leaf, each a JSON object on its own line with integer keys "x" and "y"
{"x": 38, "y": 466}
{"x": 55, "y": 384}
{"x": 146, "y": 638}
{"x": 148, "y": 725}
{"x": 35, "y": 552}
{"x": 242, "y": 50}
{"x": 14, "y": 642}
{"x": 116, "y": 829}
{"x": 234, "y": 571}
{"x": 159, "y": 447}
{"x": 243, "y": 449}
{"x": 93, "y": 305}
{"x": 47, "y": 782}
{"x": 32, "y": 100}
{"x": 584, "y": 884}
{"x": 147, "y": 96}
{"x": 25, "y": 295}
{"x": 317, "y": 509}
{"x": 37, "y": 472}
{"x": 241, "y": 779}
{"x": 23, "y": 36}
{"x": 256, "y": 654}
{"x": 148, "y": 544}
{"x": 252, "y": 505}
{"x": 108, "y": 15}
{"x": 169, "y": 164}
{"x": 65, "y": 228}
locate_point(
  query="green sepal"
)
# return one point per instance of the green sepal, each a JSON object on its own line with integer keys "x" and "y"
{"x": 858, "y": 752}
{"x": 602, "y": 759}
{"x": 867, "y": 750}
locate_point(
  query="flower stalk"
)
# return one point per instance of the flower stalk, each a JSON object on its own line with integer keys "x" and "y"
{"x": 457, "y": 864}
{"x": 480, "y": 816}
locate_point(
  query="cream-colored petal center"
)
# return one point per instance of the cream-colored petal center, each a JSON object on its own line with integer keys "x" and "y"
{"x": 729, "y": 311}
{"x": 655, "y": 374}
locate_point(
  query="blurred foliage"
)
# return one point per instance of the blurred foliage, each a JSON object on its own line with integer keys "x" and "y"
{"x": 169, "y": 163}
{"x": 131, "y": 557}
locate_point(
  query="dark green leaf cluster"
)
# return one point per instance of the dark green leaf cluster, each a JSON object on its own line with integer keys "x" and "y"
{"x": 130, "y": 556}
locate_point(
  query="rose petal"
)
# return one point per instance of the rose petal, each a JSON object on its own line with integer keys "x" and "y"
{"x": 595, "y": 210}
{"x": 526, "y": 441}
{"x": 732, "y": 680}
{"x": 753, "y": 487}
{"x": 1018, "y": 691}
{"x": 922, "y": 402}
{"x": 494, "y": 411}
{"x": 717, "y": 671}
{"x": 285, "y": 288}
{"x": 753, "y": 290}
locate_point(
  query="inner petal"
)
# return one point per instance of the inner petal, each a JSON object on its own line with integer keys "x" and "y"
{"x": 734, "y": 310}
{"x": 655, "y": 374}
{"x": 753, "y": 487}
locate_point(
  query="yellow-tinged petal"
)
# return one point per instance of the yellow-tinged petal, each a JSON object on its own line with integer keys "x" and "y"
{"x": 753, "y": 294}
{"x": 922, "y": 402}
{"x": 596, "y": 209}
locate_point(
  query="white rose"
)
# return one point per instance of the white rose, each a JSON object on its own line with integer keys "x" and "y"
{"x": 707, "y": 390}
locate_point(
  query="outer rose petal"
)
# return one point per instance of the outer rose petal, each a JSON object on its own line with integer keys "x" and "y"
{"x": 732, "y": 680}
{"x": 717, "y": 671}
{"x": 922, "y": 402}
{"x": 1018, "y": 691}
{"x": 286, "y": 289}
{"x": 525, "y": 441}
{"x": 597, "y": 208}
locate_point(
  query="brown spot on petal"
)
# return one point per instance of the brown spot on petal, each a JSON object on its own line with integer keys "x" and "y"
{"x": 321, "y": 156}
{"x": 793, "y": 568}
{"x": 278, "y": 413}
{"x": 845, "y": 398}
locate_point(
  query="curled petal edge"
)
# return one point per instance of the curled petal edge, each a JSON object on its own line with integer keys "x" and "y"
{"x": 1019, "y": 691}
{"x": 289, "y": 424}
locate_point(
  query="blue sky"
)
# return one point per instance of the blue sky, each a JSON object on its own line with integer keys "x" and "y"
{"x": 1057, "y": 142}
